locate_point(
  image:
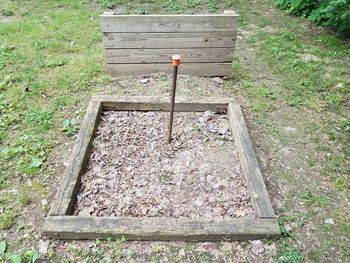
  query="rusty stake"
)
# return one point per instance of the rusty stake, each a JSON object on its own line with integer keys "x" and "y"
{"x": 176, "y": 63}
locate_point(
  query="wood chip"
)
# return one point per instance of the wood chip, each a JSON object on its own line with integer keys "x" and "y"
{"x": 132, "y": 171}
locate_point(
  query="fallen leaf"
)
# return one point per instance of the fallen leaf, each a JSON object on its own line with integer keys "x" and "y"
{"x": 36, "y": 162}
{"x": 43, "y": 246}
{"x": 257, "y": 247}
{"x": 2, "y": 248}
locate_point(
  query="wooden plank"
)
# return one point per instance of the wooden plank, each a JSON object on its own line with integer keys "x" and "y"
{"x": 144, "y": 103}
{"x": 66, "y": 195}
{"x": 158, "y": 229}
{"x": 148, "y": 56}
{"x": 169, "y": 23}
{"x": 196, "y": 69}
{"x": 250, "y": 168}
{"x": 225, "y": 12}
{"x": 169, "y": 40}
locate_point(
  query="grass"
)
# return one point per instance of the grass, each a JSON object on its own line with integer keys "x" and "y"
{"x": 7, "y": 219}
{"x": 314, "y": 255}
{"x": 165, "y": 177}
{"x": 24, "y": 197}
{"x": 51, "y": 61}
{"x": 310, "y": 198}
{"x": 287, "y": 253}
{"x": 69, "y": 127}
{"x": 37, "y": 64}
{"x": 312, "y": 87}
{"x": 320, "y": 84}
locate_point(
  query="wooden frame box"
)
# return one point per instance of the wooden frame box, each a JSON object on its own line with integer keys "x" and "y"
{"x": 61, "y": 224}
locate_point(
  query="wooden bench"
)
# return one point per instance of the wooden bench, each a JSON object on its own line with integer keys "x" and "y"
{"x": 144, "y": 44}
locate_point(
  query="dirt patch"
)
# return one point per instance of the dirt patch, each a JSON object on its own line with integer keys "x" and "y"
{"x": 132, "y": 171}
{"x": 7, "y": 19}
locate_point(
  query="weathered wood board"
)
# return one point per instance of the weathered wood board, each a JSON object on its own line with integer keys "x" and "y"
{"x": 169, "y": 23}
{"x": 61, "y": 225}
{"x": 141, "y": 103}
{"x": 168, "y": 40}
{"x": 144, "y": 44}
{"x": 159, "y": 229}
{"x": 250, "y": 167}
{"x": 195, "y": 101}
{"x": 195, "y": 69}
{"x": 192, "y": 55}
{"x": 66, "y": 195}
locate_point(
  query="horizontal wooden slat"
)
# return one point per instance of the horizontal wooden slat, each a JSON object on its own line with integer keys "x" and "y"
{"x": 168, "y": 23}
{"x": 249, "y": 164}
{"x": 144, "y": 103}
{"x": 173, "y": 16}
{"x": 169, "y": 40}
{"x": 196, "y": 69}
{"x": 164, "y": 55}
{"x": 154, "y": 229}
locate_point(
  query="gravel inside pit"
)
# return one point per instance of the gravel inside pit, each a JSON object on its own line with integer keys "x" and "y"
{"x": 132, "y": 171}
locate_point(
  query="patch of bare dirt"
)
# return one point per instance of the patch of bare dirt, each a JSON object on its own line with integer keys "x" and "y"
{"x": 7, "y": 19}
{"x": 133, "y": 171}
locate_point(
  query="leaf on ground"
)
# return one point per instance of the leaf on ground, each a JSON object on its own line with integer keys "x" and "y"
{"x": 43, "y": 246}
{"x": 36, "y": 162}
{"x": 180, "y": 179}
{"x": 35, "y": 256}
{"x": 2, "y": 248}
{"x": 15, "y": 259}
{"x": 257, "y": 247}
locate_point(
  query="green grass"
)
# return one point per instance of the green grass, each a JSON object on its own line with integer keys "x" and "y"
{"x": 44, "y": 62}
{"x": 310, "y": 198}
{"x": 165, "y": 177}
{"x": 286, "y": 253}
{"x": 166, "y": 6}
{"x": 24, "y": 197}
{"x": 314, "y": 76}
{"x": 27, "y": 256}
{"x": 306, "y": 82}
{"x": 7, "y": 219}
{"x": 314, "y": 255}
{"x": 69, "y": 127}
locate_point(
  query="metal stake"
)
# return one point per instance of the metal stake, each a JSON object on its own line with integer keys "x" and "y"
{"x": 176, "y": 63}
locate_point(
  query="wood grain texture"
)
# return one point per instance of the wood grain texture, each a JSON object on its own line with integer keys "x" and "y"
{"x": 158, "y": 229}
{"x": 168, "y": 23}
{"x": 144, "y": 103}
{"x": 147, "y": 56}
{"x": 169, "y": 40}
{"x": 196, "y": 69}
{"x": 66, "y": 195}
{"x": 225, "y": 12}
{"x": 250, "y": 168}
{"x": 143, "y": 44}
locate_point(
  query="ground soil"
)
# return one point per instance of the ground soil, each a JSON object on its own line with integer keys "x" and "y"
{"x": 133, "y": 171}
